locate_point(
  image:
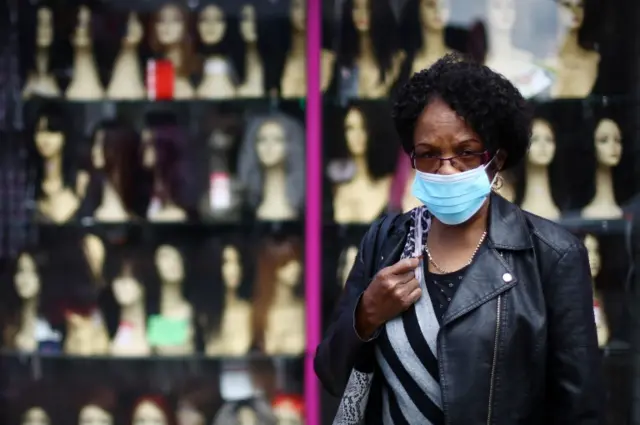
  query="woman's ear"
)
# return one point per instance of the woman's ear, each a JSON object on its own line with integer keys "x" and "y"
{"x": 500, "y": 158}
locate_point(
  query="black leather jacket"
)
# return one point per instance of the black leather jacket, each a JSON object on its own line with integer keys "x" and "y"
{"x": 510, "y": 353}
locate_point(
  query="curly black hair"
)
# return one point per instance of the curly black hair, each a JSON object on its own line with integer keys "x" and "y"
{"x": 486, "y": 100}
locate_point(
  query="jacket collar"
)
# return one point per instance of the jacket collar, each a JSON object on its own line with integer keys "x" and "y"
{"x": 507, "y": 225}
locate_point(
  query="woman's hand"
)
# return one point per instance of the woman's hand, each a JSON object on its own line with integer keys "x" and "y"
{"x": 393, "y": 290}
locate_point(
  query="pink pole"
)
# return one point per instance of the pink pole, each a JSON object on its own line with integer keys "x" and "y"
{"x": 313, "y": 216}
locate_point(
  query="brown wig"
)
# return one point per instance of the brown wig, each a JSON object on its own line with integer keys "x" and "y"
{"x": 189, "y": 64}
{"x": 272, "y": 256}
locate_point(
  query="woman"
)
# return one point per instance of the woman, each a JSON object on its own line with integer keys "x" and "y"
{"x": 494, "y": 323}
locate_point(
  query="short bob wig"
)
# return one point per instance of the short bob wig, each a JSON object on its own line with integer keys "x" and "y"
{"x": 487, "y": 101}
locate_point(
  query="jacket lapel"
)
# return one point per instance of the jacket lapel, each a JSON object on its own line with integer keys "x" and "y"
{"x": 490, "y": 275}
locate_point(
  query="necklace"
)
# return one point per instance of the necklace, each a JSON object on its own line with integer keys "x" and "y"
{"x": 443, "y": 271}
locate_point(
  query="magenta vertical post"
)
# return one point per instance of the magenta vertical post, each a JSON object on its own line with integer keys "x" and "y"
{"x": 313, "y": 216}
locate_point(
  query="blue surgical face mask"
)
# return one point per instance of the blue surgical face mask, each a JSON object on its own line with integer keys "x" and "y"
{"x": 454, "y": 198}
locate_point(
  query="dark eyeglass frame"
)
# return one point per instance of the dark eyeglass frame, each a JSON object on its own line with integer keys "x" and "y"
{"x": 485, "y": 157}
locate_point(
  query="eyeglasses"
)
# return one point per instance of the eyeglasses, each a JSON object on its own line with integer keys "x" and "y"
{"x": 467, "y": 161}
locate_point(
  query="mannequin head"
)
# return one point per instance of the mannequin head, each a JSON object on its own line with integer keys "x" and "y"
{"x": 81, "y": 37}
{"x": 571, "y": 14}
{"x": 298, "y": 15}
{"x": 94, "y": 252}
{"x": 543, "y": 145}
{"x": 127, "y": 289}
{"x": 434, "y": 14}
{"x": 608, "y": 143}
{"x": 169, "y": 264}
{"x": 92, "y": 414}
{"x": 151, "y": 411}
{"x": 27, "y": 278}
{"x": 170, "y": 31}
{"x": 501, "y": 14}
{"x": 246, "y": 415}
{"x": 44, "y": 27}
{"x": 212, "y": 24}
{"x": 231, "y": 268}
{"x": 50, "y": 136}
{"x": 273, "y": 142}
{"x": 35, "y": 416}
{"x": 355, "y": 132}
{"x": 593, "y": 250}
{"x": 289, "y": 409}
{"x": 134, "y": 32}
{"x": 368, "y": 18}
{"x": 248, "y": 23}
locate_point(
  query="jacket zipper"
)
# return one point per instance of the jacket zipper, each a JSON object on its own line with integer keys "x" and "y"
{"x": 495, "y": 359}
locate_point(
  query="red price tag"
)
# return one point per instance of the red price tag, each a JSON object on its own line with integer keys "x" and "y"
{"x": 160, "y": 79}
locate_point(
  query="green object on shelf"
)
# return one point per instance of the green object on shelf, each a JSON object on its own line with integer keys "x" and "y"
{"x": 167, "y": 332}
{"x": 303, "y": 103}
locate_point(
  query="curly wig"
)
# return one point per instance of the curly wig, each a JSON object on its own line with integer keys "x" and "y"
{"x": 487, "y": 102}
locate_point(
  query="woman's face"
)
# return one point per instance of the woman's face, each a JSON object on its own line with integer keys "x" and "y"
{"x": 571, "y": 14}
{"x": 248, "y": 28}
{"x": 502, "y": 14}
{"x": 543, "y": 144}
{"x": 169, "y": 264}
{"x": 49, "y": 143}
{"x": 44, "y": 30}
{"x": 593, "y": 250}
{"x": 35, "y": 416}
{"x": 26, "y": 279}
{"x": 441, "y": 133}
{"x": 94, "y": 252}
{"x": 434, "y": 14}
{"x": 126, "y": 289}
{"x": 361, "y": 15}
{"x": 134, "y": 30}
{"x": 170, "y": 26}
{"x": 212, "y": 24}
{"x": 148, "y": 149}
{"x": 94, "y": 415}
{"x": 271, "y": 145}
{"x": 355, "y": 132}
{"x": 289, "y": 274}
{"x": 148, "y": 413}
{"x": 97, "y": 150}
{"x": 608, "y": 141}
{"x": 298, "y": 15}
{"x": 231, "y": 269}
{"x": 82, "y": 34}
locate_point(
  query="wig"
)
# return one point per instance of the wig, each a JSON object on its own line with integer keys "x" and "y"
{"x": 171, "y": 166}
{"x": 120, "y": 149}
{"x": 158, "y": 401}
{"x": 51, "y": 117}
{"x": 250, "y": 171}
{"x": 272, "y": 256}
{"x": 29, "y": 23}
{"x": 383, "y": 36}
{"x": 189, "y": 62}
{"x": 381, "y": 141}
{"x": 412, "y": 40}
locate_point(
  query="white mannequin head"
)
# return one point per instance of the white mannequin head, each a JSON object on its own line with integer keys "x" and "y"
{"x": 49, "y": 143}
{"x": 170, "y": 26}
{"x": 593, "y": 250}
{"x": 246, "y": 416}
{"x": 212, "y": 24}
{"x": 134, "y": 30}
{"x": 148, "y": 413}
{"x": 248, "y": 24}
{"x": 231, "y": 268}
{"x": 94, "y": 415}
{"x": 271, "y": 145}
{"x": 36, "y": 416}
{"x": 608, "y": 143}
{"x": 44, "y": 30}
{"x": 27, "y": 279}
{"x": 502, "y": 14}
{"x": 127, "y": 290}
{"x": 298, "y": 14}
{"x": 356, "y": 132}
{"x": 571, "y": 14}
{"x": 289, "y": 274}
{"x": 169, "y": 264}
{"x": 82, "y": 34}
{"x": 543, "y": 144}
{"x": 361, "y": 15}
{"x": 434, "y": 14}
